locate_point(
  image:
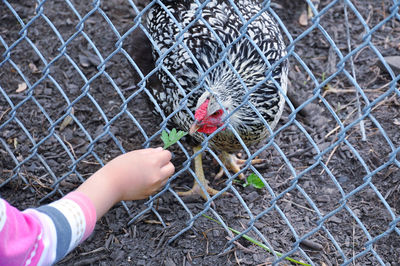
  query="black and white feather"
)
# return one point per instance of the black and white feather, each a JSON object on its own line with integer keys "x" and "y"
{"x": 209, "y": 51}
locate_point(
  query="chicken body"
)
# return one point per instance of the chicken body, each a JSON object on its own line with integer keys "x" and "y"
{"x": 216, "y": 65}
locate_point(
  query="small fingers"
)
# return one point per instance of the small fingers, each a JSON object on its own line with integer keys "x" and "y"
{"x": 148, "y": 150}
{"x": 164, "y": 157}
{"x": 167, "y": 171}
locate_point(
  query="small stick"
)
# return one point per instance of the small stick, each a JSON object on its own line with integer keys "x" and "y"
{"x": 298, "y": 205}
{"x": 70, "y": 146}
{"x": 4, "y": 113}
{"x": 330, "y": 156}
{"x": 312, "y": 244}
{"x": 362, "y": 128}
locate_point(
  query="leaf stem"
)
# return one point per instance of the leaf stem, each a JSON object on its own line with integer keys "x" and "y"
{"x": 258, "y": 243}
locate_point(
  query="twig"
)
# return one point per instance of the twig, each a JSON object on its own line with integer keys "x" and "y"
{"x": 336, "y": 128}
{"x": 384, "y": 101}
{"x": 154, "y": 222}
{"x": 267, "y": 263}
{"x": 240, "y": 246}
{"x": 354, "y": 253}
{"x": 189, "y": 257}
{"x": 331, "y": 154}
{"x": 70, "y": 146}
{"x": 90, "y": 261}
{"x": 298, "y": 205}
{"x": 333, "y": 90}
{"x": 236, "y": 258}
{"x": 376, "y": 106}
{"x": 92, "y": 251}
{"x": 362, "y": 128}
{"x": 383, "y": 86}
{"x": 129, "y": 88}
{"x": 331, "y": 132}
{"x": 207, "y": 242}
{"x": 4, "y": 113}
{"x": 92, "y": 163}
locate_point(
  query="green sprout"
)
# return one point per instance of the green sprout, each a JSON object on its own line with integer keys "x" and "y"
{"x": 258, "y": 243}
{"x": 255, "y": 181}
{"x": 172, "y": 137}
{"x": 252, "y": 180}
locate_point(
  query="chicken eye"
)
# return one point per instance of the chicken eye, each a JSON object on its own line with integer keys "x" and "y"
{"x": 217, "y": 113}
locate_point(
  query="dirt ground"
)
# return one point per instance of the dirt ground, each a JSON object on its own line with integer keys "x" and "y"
{"x": 343, "y": 197}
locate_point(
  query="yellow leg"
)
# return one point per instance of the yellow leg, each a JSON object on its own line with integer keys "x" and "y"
{"x": 198, "y": 168}
{"x": 233, "y": 164}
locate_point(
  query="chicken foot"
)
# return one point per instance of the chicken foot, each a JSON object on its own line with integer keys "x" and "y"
{"x": 196, "y": 189}
{"x": 234, "y": 164}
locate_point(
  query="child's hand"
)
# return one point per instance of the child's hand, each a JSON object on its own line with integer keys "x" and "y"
{"x": 131, "y": 176}
{"x": 139, "y": 174}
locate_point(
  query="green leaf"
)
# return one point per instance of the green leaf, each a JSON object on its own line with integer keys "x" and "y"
{"x": 181, "y": 134}
{"x": 172, "y": 138}
{"x": 255, "y": 181}
{"x": 164, "y": 137}
{"x": 172, "y": 135}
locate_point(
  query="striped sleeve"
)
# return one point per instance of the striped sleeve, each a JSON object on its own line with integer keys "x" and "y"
{"x": 44, "y": 235}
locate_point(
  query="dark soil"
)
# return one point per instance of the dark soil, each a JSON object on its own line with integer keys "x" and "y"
{"x": 325, "y": 183}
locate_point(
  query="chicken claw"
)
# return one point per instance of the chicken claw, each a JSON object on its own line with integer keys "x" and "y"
{"x": 234, "y": 164}
{"x": 196, "y": 189}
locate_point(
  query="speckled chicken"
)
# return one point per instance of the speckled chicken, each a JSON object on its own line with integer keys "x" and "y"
{"x": 214, "y": 62}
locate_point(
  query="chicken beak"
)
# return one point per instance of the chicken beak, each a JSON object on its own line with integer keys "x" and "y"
{"x": 193, "y": 129}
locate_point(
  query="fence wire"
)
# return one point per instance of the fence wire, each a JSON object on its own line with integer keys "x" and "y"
{"x": 72, "y": 97}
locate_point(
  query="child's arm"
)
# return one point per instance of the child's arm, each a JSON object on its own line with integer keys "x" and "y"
{"x": 46, "y": 234}
{"x": 136, "y": 175}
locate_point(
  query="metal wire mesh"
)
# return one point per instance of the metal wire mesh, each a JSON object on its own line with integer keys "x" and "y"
{"x": 68, "y": 104}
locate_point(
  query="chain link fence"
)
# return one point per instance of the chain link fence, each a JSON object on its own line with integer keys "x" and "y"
{"x": 71, "y": 100}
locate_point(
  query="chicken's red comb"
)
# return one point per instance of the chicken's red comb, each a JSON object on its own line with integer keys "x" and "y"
{"x": 201, "y": 112}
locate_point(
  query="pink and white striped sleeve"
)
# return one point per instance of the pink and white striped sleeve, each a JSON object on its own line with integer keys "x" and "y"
{"x": 44, "y": 235}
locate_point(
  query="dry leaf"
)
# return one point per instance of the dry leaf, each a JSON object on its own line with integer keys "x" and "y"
{"x": 21, "y": 87}
{"x": 33, "y": 68}
{"x": 303, "y": 19}
{"x": 67, "y": 120}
